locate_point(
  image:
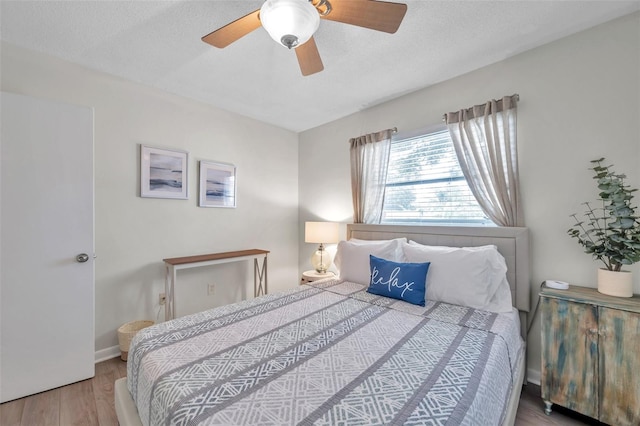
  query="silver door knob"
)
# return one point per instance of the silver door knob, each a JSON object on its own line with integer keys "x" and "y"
{"x": 82, "y": 257}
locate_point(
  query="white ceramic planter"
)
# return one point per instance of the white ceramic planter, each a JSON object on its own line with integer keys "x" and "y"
{"x": 613, "y": 283}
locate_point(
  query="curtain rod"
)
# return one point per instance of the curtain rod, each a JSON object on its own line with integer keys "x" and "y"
{"x": 515, "y": 95}
{"x": 394, "y": 130}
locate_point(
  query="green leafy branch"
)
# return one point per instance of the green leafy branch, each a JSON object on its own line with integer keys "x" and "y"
{"x": 611, "y": 233}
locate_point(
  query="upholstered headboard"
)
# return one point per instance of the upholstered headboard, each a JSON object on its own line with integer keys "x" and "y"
{"x": 512, "y": 243}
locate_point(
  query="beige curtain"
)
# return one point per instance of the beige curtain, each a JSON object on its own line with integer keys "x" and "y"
{"x": 484, "y": 138}
{"x": 369, "y": 164}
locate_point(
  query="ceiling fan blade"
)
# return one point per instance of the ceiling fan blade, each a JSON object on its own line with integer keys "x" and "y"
{"x": 222, "y": 37}
{"x": 372, "y": 14}
{"x": 309, "y": 58}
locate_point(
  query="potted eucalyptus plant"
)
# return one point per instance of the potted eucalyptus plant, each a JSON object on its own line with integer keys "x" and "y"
{"x": 610, "y": 231}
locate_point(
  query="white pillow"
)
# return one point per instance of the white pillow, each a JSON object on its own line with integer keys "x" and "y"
{"x": 467, "y": 276}
{"x": 359, "y": 241}
{"x": 352, "y": 258}
{"x": 501, "y": 301}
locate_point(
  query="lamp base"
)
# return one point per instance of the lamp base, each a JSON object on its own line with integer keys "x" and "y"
{"x": 321, "y": 260}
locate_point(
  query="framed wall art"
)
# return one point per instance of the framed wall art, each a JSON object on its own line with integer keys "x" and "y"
{"x": 163, "y": 173}
{"x": 217, "y": 184}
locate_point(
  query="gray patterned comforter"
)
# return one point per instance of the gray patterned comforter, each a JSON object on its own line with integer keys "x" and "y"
{"x": 326, "y": 354}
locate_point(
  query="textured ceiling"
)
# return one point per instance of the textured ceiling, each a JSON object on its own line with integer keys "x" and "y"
{"x": 157, "y": 43}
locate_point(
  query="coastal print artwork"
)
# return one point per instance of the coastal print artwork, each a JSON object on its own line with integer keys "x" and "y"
{"x": 217, "y": 184}
{"x": 163, "y": 173}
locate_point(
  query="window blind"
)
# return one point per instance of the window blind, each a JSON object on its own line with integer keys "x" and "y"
{"x": 425, "y": 184}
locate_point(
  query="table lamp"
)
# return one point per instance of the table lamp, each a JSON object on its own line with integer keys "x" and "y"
{"x": 321, "y": 233}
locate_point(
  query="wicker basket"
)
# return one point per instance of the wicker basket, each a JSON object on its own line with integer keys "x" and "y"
{"x": 126, "y": 333}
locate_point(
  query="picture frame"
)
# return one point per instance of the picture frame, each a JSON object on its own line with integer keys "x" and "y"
{"x": 217, "y": 184}
{"x": 163, "y": 173}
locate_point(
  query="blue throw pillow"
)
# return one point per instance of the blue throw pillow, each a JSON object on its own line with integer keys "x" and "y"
{"x": 404, "y": 281}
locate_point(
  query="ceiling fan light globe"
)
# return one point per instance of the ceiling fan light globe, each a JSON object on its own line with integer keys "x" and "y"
{"x": 289, "y": 22}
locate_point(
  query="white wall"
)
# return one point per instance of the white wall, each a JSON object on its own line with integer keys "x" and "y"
{"x": 579, "y": 100}
{"x": 134, "y": 234}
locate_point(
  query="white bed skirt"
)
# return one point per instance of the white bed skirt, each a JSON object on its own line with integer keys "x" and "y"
{"x": 125, "y": 407}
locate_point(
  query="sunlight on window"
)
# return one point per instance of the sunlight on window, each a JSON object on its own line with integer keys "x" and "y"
{"x": 425, "y": 184}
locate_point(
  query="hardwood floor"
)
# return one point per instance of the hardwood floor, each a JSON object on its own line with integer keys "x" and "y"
{"x": 531, "y": 412}
{"x": 90, "y": 403}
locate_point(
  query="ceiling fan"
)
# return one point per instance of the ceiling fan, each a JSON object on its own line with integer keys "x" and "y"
{"x": 292, "y": 24}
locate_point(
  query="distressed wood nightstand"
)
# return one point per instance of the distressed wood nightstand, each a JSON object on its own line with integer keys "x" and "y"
{"x": 590, "y": 347}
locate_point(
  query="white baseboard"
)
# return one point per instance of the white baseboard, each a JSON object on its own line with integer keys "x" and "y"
{"x": 108, "y": 353}
{"x": 533, "y": 376}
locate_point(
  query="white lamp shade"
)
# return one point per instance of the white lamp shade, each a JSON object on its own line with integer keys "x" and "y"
{"x": 289, "y": 22}
{"x": 321, "y": 232}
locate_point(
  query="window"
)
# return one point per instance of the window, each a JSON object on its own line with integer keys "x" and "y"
{"x": 425, "y": 184}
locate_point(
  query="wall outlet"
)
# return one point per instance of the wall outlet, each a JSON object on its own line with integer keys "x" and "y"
{"x": 162, "y": 298}
{"x": 211, "y": 288}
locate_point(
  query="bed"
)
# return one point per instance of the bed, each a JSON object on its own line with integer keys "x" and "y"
{"x": 330, "y": 352}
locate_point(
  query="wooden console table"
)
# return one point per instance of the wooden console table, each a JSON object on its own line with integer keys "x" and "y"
{"x": 174, "y": 264}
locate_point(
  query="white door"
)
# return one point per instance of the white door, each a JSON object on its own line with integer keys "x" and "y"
{"x": 47, "y": 295}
